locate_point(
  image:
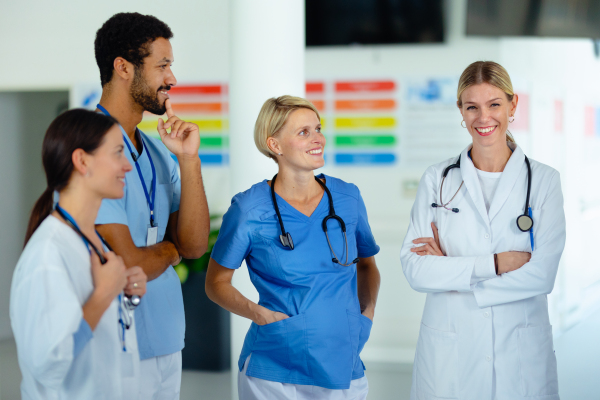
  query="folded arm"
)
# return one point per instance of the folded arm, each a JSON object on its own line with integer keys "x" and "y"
{"x": 538, "y": 275}
{"x": 432, "y": 273}
{"x": 154, "y": 259}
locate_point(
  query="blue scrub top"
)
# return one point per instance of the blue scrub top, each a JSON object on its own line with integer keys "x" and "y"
{"x": 159, "y": 319}
{"x": 321, "y": 341}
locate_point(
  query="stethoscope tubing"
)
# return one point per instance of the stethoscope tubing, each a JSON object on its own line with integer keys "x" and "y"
{"x": 286, "y": 237}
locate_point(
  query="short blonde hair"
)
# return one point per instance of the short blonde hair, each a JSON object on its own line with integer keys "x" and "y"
{"x": 272, "y": 117}
{"x": 486, "y": 72}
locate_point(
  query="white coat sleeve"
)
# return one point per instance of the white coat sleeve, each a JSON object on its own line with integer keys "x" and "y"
{"x": 45, "y": 316}
{"x": 429, "y": 274}
{"x": 538, "y": 275}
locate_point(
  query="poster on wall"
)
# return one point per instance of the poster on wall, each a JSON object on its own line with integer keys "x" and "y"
{"x": 432, "y": 131}
{"x": 359, "y": 119}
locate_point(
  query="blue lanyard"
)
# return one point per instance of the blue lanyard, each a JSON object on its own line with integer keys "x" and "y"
{"x": 63, "y": 213}
{"x": 149, "y": 199}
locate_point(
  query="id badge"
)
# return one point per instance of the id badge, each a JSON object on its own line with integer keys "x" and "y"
{"x": 152, "y": 236}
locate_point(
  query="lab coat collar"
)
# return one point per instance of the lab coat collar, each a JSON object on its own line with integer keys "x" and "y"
{"x": 469, "y": 175}
{"x": 513, "y": 169}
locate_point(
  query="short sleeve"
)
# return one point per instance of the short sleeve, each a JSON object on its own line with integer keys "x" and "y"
{"x": 176, "y": 183}
{"x": 233, "y": 242}
{"x": 112, "y": 211}
{"x": 364, "y": 237}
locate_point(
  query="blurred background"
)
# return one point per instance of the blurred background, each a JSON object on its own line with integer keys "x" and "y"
{"x": 384, "y": 75}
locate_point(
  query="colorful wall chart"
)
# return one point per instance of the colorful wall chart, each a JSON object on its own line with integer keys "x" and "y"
{"x": 359, "y": 120}
{"x": 207, "y": 107}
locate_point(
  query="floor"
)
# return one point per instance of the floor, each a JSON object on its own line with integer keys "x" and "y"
{"x": 386, "y": 382}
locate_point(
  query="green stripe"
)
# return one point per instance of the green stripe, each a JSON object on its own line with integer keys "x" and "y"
{"x": 215, "y": 141}
{"x": 365, "y": 140}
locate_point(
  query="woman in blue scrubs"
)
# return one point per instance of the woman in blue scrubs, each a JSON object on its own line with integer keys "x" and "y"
{"x": 317, "y": 288}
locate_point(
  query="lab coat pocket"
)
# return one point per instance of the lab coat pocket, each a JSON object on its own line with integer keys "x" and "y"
{"x": 360, "y": 330}
{"x": 436, "y": 363}
{"x": 537, "y": 361}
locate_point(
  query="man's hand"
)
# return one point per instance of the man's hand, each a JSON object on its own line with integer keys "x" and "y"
{"x": 184, "y": 138}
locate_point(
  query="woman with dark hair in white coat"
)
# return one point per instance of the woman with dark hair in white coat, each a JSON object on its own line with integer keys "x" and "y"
{"x": 72, "y": 322}
{"x": 486, "y": 234}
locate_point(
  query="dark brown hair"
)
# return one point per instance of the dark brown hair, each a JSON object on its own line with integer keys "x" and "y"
{"x": 72, "y": 130}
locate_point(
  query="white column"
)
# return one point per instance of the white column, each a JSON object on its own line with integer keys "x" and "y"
{"x": 267, "y": 60}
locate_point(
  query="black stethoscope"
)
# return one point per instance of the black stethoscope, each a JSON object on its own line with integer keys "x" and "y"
{"x": 286, "y": 237}
{"x": 524, "y": 221}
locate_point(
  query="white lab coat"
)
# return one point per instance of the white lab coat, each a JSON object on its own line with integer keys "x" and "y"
{"x": 484, "y": 336}
{"x": 50, "y": 284}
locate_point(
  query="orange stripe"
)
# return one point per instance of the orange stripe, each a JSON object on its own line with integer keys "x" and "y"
{"x": 364, "y": 86}
{"x": 320, "y": 104}
{"x": 385, "y": 104}
{"x": 180, "y": 108}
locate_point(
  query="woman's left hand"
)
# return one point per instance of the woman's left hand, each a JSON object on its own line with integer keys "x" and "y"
{"x": 136, "y": 281}
{"x": 432, "y": 245}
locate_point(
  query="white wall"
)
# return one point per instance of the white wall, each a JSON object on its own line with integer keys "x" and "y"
{"x": 25, "y": 117}
{"x": 51, "y": 46}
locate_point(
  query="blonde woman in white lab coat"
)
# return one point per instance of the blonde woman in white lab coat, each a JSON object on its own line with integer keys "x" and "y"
{"x": 485, "y": 332}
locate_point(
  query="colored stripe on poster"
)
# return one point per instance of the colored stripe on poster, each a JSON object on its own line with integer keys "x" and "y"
{"x": 365, "y": 141}
{"x": 365, "y": 158}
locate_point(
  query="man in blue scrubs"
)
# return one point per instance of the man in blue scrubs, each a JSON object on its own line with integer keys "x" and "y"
{"x": 163, "y": 215}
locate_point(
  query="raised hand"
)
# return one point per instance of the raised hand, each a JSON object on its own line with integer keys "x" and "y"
{"x": 432, "y": 245}
{"x": 184, "y": 138}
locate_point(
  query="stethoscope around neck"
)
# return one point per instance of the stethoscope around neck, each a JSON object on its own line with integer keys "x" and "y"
{"x": 130, "y": 302}
{"x": 524, "y": 221}
{"x": 286, "y": 237}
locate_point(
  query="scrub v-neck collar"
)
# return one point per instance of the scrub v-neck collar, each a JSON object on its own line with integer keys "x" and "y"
{"x": 324, "y": 202}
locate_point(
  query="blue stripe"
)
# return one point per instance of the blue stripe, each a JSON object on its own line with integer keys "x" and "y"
{"x": 211, "y": 158}
{"x": 365, "y": 158}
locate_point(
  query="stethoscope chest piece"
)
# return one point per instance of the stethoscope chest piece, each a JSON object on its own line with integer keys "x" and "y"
{"x": 286, "y": 240}
{"x": 524, "y": 223}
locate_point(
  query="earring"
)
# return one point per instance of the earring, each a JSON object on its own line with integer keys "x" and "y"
{"x": 280, "y": 154}
{"x": 461, "y": 124}
{"x": 513, "y": 119}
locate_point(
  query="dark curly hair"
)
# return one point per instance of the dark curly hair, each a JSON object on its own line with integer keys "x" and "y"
{"x": 127, "y": 35}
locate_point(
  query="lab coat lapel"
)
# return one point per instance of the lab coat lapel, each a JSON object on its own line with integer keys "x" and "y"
{"x": 469, "y": 176}
{"x": 513, "y": 169}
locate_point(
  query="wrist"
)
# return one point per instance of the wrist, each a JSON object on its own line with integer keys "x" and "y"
{"x": 259, "y": 314}
{"x": 188, "y": 159}
{"x": 101, "y": 298}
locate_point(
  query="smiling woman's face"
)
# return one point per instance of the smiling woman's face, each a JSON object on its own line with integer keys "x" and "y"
{"x": 486, "y": 111}
{"x": 300, "y": 141}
